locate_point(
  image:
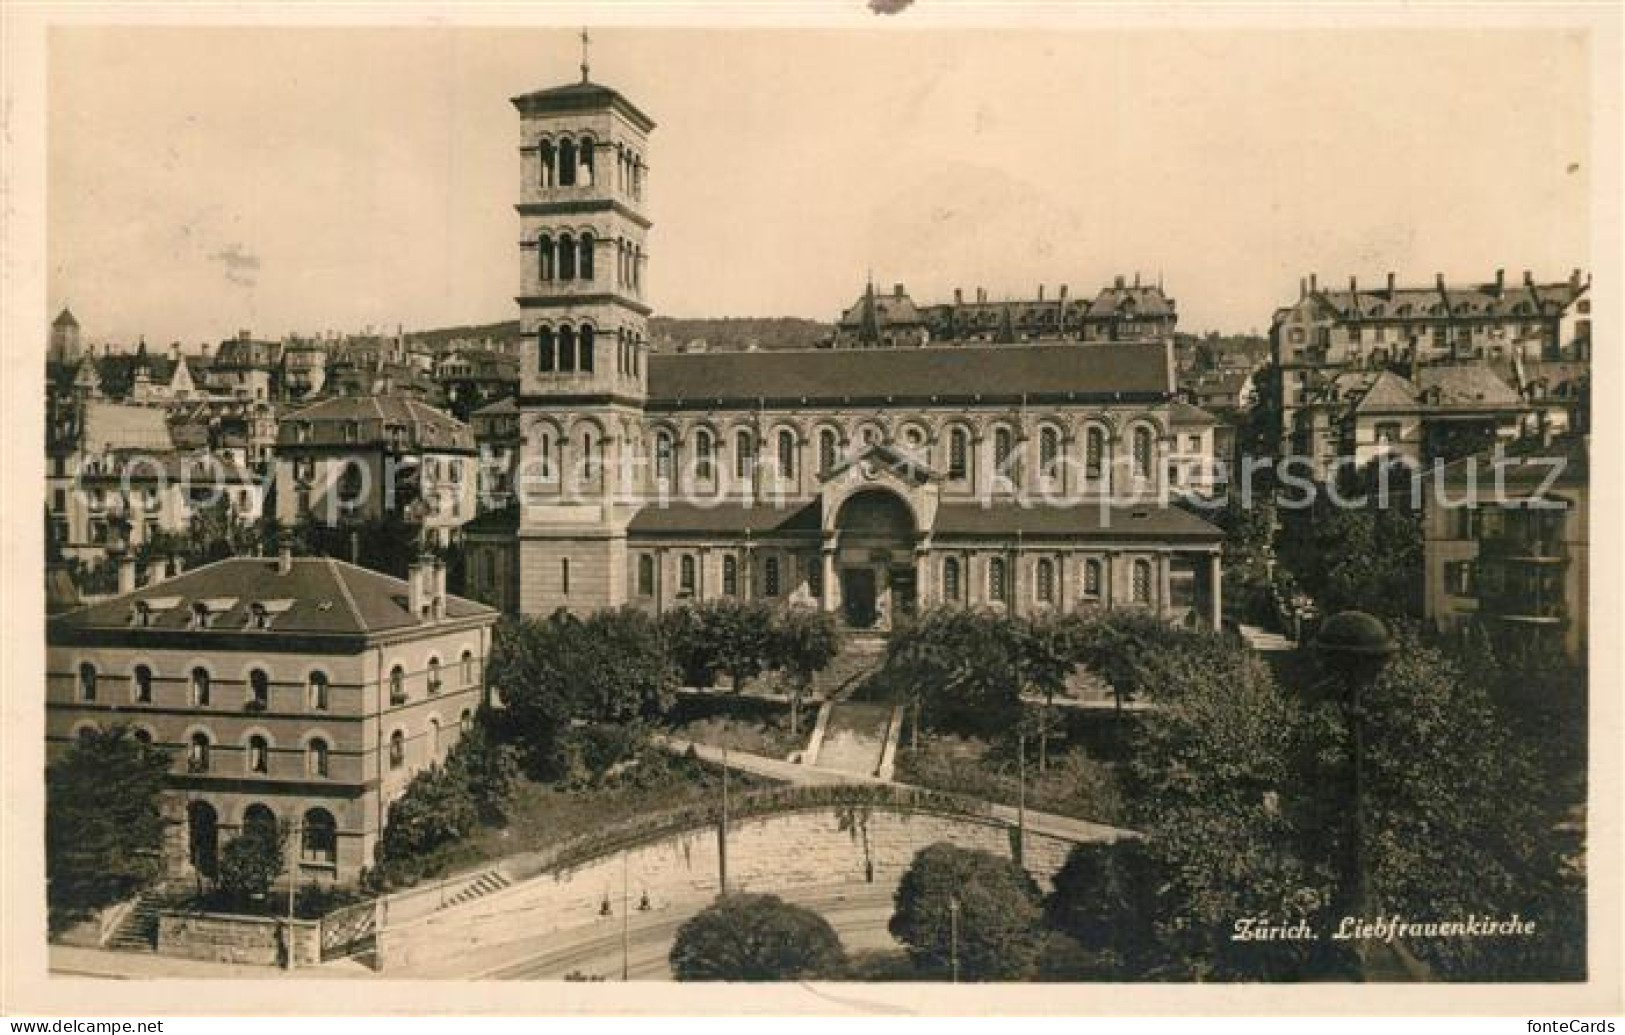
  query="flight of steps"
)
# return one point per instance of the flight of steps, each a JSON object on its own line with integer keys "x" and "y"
{"x": 138, "y": 931}
{"x": 483, "y": 885}
{"x": 855, "y": 738}
{"x": 861, "y": 654}
{"x": 1263, "y": 641}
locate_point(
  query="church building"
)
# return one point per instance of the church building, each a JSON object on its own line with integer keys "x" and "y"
{"x": 1027, "y": 476}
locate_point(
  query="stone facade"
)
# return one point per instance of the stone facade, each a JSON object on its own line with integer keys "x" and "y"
{"x": 229, "y": 938}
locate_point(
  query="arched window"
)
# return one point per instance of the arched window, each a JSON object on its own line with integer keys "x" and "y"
{"x": 586, "y": 167}
{"x": 567, "y": 162}
{"x": 197, "y": 753}
{"x": 316, "y": 691}
{"x": 958, "y": 455}
{"x": 584, "y": 267}
{"x": 260, "y": 821}
{"x": 319, "y": 838}
{"x": 1143, "y": 452}
{"x": 588, "y": 335}
{"x": 200, "y": 687}
{"x": 468, "y": 668}
{"x": 589, "y": 456}
{"x": 1091, "y": 579}
{"x": 744, "y": 455}
{"x": 259, "y": 688}
{"x": 950, "y": 578}
{"x": 397, "y": 749}
{"x": 567, "y": 257}
{"x": 1004, "y": 450}
{"x": 1142, "y": 581}
{"x": 544, "y": 256}
{"x": 434, "y": 675}
{"x": 545, "y": 357}
{"x": 467, "y": 720}
{"x": 1046, "y": 581}
{"x": 142, "y": 689}
{"x": 548, "y": 157}
{"x": 316, "y": 757}
{"x": 1094, "y": 453}
{"x": 730, "y": 576}
{"x": 787, "y": 453}
{"x": 663, "y": 456}
{"x": 996, "y": 581}
{"x": 544, "y": 453}
{"x": 646, "y": 576}
{"x": 826, "y": 451}
{"x": 704, "y": 460}
{"x": 397, "y": 685}
{"x": 259, "y": 754}
{"x": 770, "y": 577}
{"x": 567, "y": 349}
{"x": 685, "y": 575}
{"x": 87, "y": 682}
{"x": 1049, "y": 453}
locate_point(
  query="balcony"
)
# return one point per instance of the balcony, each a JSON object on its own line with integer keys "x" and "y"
{"x": 1524, "y": 549}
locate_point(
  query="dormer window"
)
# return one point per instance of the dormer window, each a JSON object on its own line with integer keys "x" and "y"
{"x": 258, "y": 617}
{"x": 143, "y": 614}
{"x": 200, "y": 615}
{"x": 301, "y": 432}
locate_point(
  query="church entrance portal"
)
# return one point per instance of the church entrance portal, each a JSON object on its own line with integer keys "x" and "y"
{"x": 875, "y": 559}
{"x": 858, "y": 597}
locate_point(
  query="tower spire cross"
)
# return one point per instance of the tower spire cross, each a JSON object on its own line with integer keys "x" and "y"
{"x": 586, "y": 42}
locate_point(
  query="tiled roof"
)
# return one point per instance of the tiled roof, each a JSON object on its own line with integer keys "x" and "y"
{"x": 1089, "y": 521}
{"x": 1143, "y": 301}
{"x": 674, "y": 518}
{"x": 65, "y": 319}
{"x": 960, "y": 372}
{"x": 1465, "y": 383}
{"x": 328, "y": 597}
{"x": 505, "y": 405}
{"x": 1388, "y": 392}
{"x": 1183, "y": 414}
{"x": 582, "y": 96}
{"x": 111, "y": 425}
{"x": 427, "y": 427}
{"x": 1528, "y": 465}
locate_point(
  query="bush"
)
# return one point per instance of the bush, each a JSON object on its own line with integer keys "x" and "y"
{"x": 745, "y": 937}
{"x": 250, "y": 863}
{"x": 1103, "y": 901}
{"x": 996, "y": 934}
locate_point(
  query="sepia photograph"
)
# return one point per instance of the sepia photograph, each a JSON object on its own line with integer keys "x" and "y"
{"x": 896, "y": 501}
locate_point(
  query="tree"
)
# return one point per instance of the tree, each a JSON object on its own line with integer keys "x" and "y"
{"x": 611, "y": 668}
{"x": 104, "y": 823}
{"x": 1046, "y": 655}
{"x": 437, "y": 809}
{"x": 805, "y": 641}
{"x": 960, "y": 669}
{"x": 488, "y": 769}
{"x": 974, "y": 907}
{"x": 1366, "y": 558}
{"x": 251, "y": 862}
{"x": 1104, "y": 900}
{"x": 736, "y": 637}
{"x": 742, "y": 937}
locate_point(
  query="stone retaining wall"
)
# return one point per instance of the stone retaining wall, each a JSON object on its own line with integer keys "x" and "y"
{"x": 229, "y": 938}
{"x": 821, "y": 847}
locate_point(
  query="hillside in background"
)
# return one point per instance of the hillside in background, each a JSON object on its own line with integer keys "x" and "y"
{"x": 730, "y": 334}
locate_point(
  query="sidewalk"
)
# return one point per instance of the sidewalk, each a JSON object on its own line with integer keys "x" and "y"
{"x": 71, "y": 961}
{"x": 1038, "y": 822}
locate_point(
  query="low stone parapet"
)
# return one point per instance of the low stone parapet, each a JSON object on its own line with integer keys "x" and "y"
{"x": 235, "y": 938}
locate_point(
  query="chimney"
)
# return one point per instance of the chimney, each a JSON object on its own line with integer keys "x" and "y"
{"x": 126, "y": 574}
{"x": 157, "y": 571}
{"x": 1354, "y": 284}
{"x": 1390, "y": 284}
{"x": 1438, "y": 281}
{"x": 177, "y": 564}
{"x": 418, "y": 587}
{"x": 1500, "y": 282}
{"x": 243, "y": 335}
{"x": 897, "y": 290}
{"x": 175, "y": 351}
{"x": 1136, "y": 278}
{"x": 437, "y": 605}
{"x": 1118, "y": 282}
{"x": 1313, "y": 286}
{"x": 1528, "y": 279}
{"x": 981, "y": 295}
{"x": 959, "y": 297}
{"x": 1063, "y": 292}
{"x": 1040, "y": 292}
{"x": 1574, "y": 278}
{"x": 284, "y": 555}
{"x": 1303, "y": 288}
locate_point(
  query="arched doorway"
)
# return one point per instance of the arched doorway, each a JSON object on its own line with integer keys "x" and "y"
{"x": 876, "y": 559}
{"x": 203, "y": 838}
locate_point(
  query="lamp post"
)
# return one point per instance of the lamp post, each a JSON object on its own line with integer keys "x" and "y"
{"x": 953, "y": 937}
{"x": 1355, "y": 646}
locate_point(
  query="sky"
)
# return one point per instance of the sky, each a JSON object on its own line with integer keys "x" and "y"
{"x": 297, "y": 180}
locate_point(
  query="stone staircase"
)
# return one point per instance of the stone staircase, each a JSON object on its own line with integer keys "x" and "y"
{"x": 860, "y": 655}
{"x": 138, "y": 931}
{"x": 855, "y": 738}
{"x": 1263, "y": 641}
{"x": 483, "y": 885}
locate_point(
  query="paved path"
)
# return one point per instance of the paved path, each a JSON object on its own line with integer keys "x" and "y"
{"x": 788, "y": 772}
{"x": 855, "y": 738}
{"x": 859, "y": 916}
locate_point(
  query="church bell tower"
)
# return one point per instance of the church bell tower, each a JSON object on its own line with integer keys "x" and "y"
{"x": 583, "y": 325}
